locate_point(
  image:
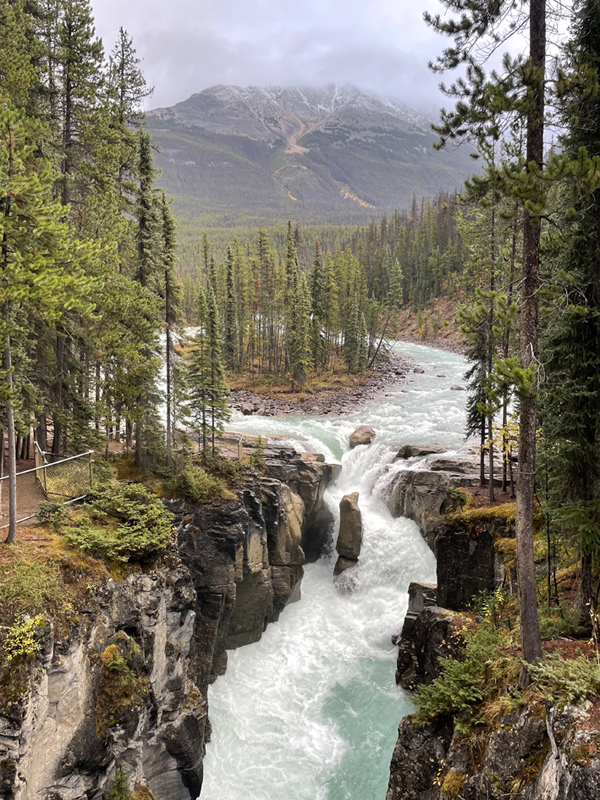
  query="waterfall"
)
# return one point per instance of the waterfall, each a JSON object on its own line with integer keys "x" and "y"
{"x": 311, "y": 711}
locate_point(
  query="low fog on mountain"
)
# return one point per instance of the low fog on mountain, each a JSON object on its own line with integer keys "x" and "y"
{"x": 188, "y": 46}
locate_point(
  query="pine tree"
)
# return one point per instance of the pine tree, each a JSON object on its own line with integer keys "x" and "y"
{"x": 230, "y": 315}
{"x": 127, "y": 89}
{"x": 482, "y": 101}
{"x": 571, "y": 346}
{"x": 198, "y": 374}
{"x": 79, "y": 83}
{"x": 318, "y": 290}
{"x": 148, "y": 223}
{"x": 34, "y": 242}
{"x": 218, "y": 391}
{"x": 172, "y": 300}
{"x": 301, "y": 361}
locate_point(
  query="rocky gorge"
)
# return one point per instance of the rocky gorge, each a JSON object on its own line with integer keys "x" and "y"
{"x": 120, "y": 698}
{"x": 309, "y": 708}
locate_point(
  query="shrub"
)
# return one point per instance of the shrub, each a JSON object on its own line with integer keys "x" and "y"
{"x": 53, "y": 513}
{"x": 125, "y": 522}
{"x": 195, "y": 485}
{"x": 21, "y": 639}
{"x": 257, "y": 457}
{"x": 568, "y": 680}
{"x": 461, "y": 686}
{"x": 119, "y": 688}
{"x": 120, "y": 789}
{"x": 229, "y": 470}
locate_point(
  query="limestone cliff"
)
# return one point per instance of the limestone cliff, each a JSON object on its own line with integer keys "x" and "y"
{"x": 121, "y": 695}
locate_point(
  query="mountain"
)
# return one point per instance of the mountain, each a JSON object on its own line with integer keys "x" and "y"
{"x": 231, "y": 155}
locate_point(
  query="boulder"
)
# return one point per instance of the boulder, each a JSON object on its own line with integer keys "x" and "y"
{"x": 418, "y": 370}
{"x": 350, "y": 536}
{"x": 457, "y": 388}
{"x": 364, "y": 434}
{"x": 247, "y": 409}
{"x": 342, "y": 564}
{"x": 414, "y": 450}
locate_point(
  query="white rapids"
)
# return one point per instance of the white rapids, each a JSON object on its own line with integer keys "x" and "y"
{"x": 311, "y": 711}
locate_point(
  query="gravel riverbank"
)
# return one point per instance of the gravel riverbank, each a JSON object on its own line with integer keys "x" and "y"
{"x": 336, "y": 401}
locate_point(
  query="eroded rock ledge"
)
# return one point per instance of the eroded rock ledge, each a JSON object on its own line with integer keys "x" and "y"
{"x": 542, "y": 751}
{"x": 69, "y": 730}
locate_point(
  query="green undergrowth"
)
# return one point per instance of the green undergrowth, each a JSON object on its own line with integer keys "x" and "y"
{"x": 206, "y": 479}
{"x": 120, "y": 789}
{"x": 480, "y": 685}
{"x": 121, "y": 522}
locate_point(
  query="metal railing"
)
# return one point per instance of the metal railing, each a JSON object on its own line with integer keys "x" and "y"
{"x": 62, "y": 481}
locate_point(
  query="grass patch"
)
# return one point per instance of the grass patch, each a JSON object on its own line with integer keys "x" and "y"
{"x": 484, "y": 515}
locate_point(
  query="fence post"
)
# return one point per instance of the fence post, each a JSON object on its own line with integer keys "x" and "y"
{"x": 240, "y": 451}
{"x": 91, "y": 463}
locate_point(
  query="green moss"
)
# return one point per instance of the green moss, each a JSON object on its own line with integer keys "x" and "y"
{"x": 506, "y": 548}
{"x": 453, "y": 783}
{"x": 487, "y": 514}
{"x": 119, "y": 688}
{"x": 14, "y": 683}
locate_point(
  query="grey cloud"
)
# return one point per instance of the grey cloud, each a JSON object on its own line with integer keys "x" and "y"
{"x": 192, "y": 46}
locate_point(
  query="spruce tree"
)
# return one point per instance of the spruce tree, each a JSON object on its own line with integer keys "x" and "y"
{"x": 318, "y": 293}
{"x": 301, "y": 361}
{"x": 482, "y": 102}
{"x": 34, "y": 246}
{"x": 571, "y": 345}
{"x": 218, "y": 391}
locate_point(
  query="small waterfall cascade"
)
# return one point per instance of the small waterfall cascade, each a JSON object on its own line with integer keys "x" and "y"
{"x": 311, "y": 711}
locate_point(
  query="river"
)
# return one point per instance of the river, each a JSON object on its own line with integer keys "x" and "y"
{"x": 311, "y": 711}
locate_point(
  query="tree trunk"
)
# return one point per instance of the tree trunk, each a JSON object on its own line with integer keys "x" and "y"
{"x": 60, "y": 364}
{"x": 169, "y": 381}
{"x": 530, "y": 629}
{"x": 10, "y": 426}
{"x": 585, "y": 591}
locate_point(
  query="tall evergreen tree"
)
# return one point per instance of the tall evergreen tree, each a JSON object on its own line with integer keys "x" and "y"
{"x": 571, "y": 346}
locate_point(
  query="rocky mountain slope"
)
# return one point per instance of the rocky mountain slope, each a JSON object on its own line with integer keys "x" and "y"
{"x": 231, "y": 155}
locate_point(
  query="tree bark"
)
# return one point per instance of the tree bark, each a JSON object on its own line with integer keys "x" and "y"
{"x": 10, "y": 426}
{"x": 530, "y": 629}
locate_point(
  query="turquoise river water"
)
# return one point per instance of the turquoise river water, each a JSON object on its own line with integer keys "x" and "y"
{"x": 311, "y": 711}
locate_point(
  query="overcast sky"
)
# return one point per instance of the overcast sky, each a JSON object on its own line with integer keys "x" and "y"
{"x": 189, "y": 45}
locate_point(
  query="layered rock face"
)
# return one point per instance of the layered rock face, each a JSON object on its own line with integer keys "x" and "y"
{"x": 421, "y": 494}
{"x": 540, "y": 752}
{"x": 525, "y": 757}
{"x": 307, "y": 475}
{"x": 126, "y": 688}
{"x": 63, "y": 737}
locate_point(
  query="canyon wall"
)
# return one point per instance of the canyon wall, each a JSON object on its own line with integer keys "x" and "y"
{"x": 120, "y": 699}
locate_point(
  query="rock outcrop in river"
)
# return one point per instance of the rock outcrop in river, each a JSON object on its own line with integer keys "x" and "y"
{"x": 350, "y": 535}
{"x": 123, "y": 691}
